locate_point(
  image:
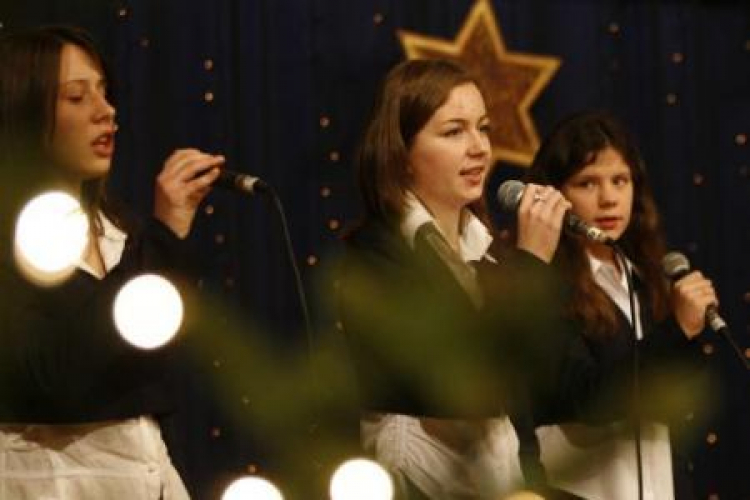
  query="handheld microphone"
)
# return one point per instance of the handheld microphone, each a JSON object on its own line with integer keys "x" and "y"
{"x": 676, "y": 266}
{"x": 243, "y": 183}
{"x": 509, "y": 197}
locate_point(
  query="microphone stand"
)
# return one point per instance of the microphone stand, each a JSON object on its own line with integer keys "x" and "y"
{"x": 622, "y": 260}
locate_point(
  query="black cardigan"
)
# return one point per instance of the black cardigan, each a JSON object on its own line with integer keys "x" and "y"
{"x": 420, "y": 347}
{"x": 61, "y": 358}
{"x": 416, "y": 338}
{"x": 596, "y": 375}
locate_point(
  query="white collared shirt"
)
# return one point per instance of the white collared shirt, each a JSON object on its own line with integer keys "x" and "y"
{"x": 475, "y": 238}
{"x": 111, "y": 245}
{"x": 615, "y": 285}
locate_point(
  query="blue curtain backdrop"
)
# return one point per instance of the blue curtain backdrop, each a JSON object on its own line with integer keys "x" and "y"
{"x": 282, "y": 87}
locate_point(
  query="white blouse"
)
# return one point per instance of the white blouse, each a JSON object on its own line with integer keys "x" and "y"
{"x": 118, "y": 460}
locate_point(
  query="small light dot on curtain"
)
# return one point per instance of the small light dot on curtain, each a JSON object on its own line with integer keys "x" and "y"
{"x": 712, "y": 438}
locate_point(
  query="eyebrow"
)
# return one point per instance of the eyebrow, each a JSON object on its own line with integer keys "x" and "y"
{"x": 84, "y": 81}
{"x": 585, "y": 175}
{"x": 464, "y": 120}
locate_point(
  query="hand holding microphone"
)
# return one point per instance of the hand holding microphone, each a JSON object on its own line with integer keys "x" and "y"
{"x": 185, "y": 179}
{"x": 695, "y": 301}
{"x": 542, "y": 212}
{"x": 510, "y": 194}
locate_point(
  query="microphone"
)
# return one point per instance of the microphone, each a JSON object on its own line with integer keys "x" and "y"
{"x": 509, "y": 197}
{"x": 676, "y": 266}
{"x": 243, "y": 183}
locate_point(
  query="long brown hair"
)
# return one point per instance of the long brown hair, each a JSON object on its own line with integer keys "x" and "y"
{"x": 572, "y": 145}
{"x": 408, "y": 97}
{"x": 29, "y": 81}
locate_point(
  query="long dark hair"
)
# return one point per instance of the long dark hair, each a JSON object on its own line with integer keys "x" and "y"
{"x": 29, "y": 81}
{"x": 409, "y": 95}
{"x": 572, "y": 145}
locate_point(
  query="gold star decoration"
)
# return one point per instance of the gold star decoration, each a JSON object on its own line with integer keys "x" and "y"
{"x": 511, "y": 81}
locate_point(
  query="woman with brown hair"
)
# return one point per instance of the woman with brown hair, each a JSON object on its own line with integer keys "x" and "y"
{"x": 79, "y": 405}
{"x": 594, "y": 162}
{"x": 434, "y": 373}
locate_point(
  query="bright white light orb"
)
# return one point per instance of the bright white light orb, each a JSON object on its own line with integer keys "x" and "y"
{"x": 51, "y": 235}
{"x": 148, "y": 311}
{"x": 251, "y": 488}
{"x": 361, "y": 479}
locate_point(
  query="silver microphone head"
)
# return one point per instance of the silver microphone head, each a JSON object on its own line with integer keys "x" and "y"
{"x": 576, "y": 225}
{"x": 509, "y": 195}
{"x": 243, "y": 183}
{"x": 675, "y": 265}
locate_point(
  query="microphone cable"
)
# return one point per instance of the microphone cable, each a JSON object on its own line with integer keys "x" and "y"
{"x": 314, "y": 422}
{"x": 299, "y": 286}
{"x": 621, "y": 258}
{"x": 249, "y": 186}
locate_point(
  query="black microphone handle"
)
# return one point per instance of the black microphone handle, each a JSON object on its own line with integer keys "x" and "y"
{"x": 243, "y": 183}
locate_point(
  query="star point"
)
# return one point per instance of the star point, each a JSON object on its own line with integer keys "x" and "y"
{"x": 510, "y": 81}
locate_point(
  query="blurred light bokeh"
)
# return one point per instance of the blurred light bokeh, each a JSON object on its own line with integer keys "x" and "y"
{"x": 361, "y": 479}
{"x": 252, "y": 488}
{"x": 148, "y": 311}
{"x": 50, "y": 237}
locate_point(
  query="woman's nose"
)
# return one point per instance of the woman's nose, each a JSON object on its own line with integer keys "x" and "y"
{"x": 105, "y": 111}
{"x": 480, "y": 143}
{"x": 607, "y": 194}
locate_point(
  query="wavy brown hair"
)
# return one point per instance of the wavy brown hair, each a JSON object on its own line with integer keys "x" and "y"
{"x": 571, "y": 146}
{"x": 408, "y": 97}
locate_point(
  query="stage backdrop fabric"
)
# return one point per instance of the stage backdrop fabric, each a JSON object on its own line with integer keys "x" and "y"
{"x": 282, "y": 88}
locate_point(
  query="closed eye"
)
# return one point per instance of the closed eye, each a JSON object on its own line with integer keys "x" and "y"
{"x": 454, "y": 131}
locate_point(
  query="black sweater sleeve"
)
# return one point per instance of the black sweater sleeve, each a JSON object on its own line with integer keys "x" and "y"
{"x": 596, "y": 378}
{"x": 62, "y": 360}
